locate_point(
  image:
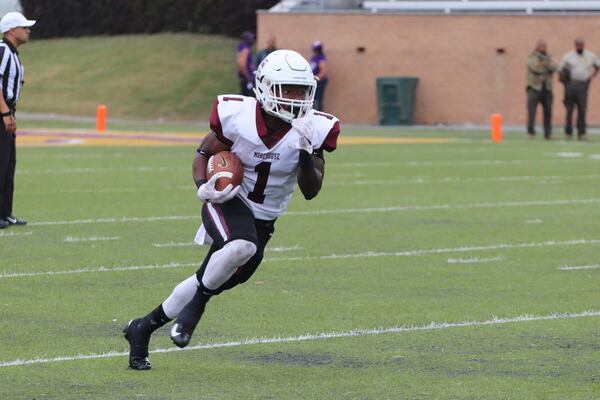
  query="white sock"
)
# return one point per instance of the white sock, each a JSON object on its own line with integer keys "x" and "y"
{"x": 181, "y": 295}
{"x": 224, "y": 262}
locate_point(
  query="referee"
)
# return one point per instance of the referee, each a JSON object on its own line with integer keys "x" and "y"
{"x": 15, "y": 28}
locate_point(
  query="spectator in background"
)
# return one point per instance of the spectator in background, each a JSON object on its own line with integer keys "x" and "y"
{"x": 577, "y": 68}
{"x": 319, "y": 66}
{"x": 15, "y": 28}
{"x": 245, "y": 66}
{"x": 271, "y": 47}
{"x": 540, "y": 68}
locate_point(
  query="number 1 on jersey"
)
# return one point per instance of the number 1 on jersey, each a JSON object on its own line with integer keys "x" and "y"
{"x": 257, "y": 194}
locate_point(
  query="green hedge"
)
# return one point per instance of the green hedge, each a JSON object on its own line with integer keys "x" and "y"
{"x": 74, "y": 18}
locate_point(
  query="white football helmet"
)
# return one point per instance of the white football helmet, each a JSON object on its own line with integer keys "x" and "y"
{"x": 284, "y": 67}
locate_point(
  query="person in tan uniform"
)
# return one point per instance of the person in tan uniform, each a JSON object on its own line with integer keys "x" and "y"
{"x": 577, "y": 68}
{"x": 540, "y": 68}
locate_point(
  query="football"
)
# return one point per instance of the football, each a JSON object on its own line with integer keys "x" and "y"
{"x": 230, "y": 165}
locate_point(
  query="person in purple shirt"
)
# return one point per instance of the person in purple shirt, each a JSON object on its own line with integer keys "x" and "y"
{"x": 245, "y": 65}
{"x": 318, "y": 63}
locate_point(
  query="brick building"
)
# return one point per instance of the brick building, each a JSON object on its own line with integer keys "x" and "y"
{"x": 469, "y": 65}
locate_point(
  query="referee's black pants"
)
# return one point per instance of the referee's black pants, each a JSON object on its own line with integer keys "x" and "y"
{"x": 576, "y": 94}
{"x": 8, "y": 162}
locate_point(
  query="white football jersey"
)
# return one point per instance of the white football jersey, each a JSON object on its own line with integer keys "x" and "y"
{"x": 270, "y": 161}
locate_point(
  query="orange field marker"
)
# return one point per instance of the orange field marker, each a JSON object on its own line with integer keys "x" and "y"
{"x": 496, "y": 122}
{"x": 101, "y": 118}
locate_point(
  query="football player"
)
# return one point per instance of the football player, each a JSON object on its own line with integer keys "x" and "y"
{"x": 280, "y": 140}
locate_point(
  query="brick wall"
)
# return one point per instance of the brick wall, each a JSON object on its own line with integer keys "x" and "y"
{"x": 462, "y": 76}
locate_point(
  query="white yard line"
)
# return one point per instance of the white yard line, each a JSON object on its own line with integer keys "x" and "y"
{"x": 576, "y": 267}
{"x": 368, "y": 254}
{"x": 473, "y": 260}
{"x": 117, "y": 220}
{"x": 567, "y": 154}
{"x": 74, "y": 239}
{"x": 411, "y": 253}
{"x": 317, "y": 336}
{"x": 339, "y": 211}
{"x": 4, "y": 274}
{"x": 8, "y": 234}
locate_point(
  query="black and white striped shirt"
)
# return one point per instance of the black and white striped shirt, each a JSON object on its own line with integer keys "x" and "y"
{"x": 12, "y": 73}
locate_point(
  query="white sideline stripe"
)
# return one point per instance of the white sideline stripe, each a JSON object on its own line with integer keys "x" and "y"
{"x": 473, "y": 260}
{"x": 111, "y": 220}
{"x": 568, "y": 154}
{"x": 339, "y": 211}
{"x": 4, "y": 274}
{"x": 6, "y": 234}
{"x": 175, "y": 244}
{"x": 458, "y": 179}
{"x": 408, "y": 253}
{"x": 570, "y": 268}
{"x": 74, "y": 239}
{"x": 318, "y": 336}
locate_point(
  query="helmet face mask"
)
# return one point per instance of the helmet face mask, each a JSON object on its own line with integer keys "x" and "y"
{"x": 280, "y": 73}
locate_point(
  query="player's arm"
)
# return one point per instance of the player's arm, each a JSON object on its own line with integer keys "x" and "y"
{"x": 210, "y": 145}
{"x": 310, "y": 173}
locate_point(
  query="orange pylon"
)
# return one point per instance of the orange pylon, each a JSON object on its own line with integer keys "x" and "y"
{"x": 101, "y": 118}
{"x": 496, "y": 122}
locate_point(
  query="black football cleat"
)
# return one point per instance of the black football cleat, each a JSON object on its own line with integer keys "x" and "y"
{"x": 4, "y": 223}
{"x": 138, "y": 345}
{"x": 140, "y": 364}
{"x": 15, "y": 221}
{"x": 180, "y": 336}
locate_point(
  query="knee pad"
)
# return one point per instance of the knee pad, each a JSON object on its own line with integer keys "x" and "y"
{"x": 240, "y": 250}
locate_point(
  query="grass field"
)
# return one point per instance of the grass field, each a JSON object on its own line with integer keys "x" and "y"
{"x": 457, "y": 270}
{"x": 162, "y": 76}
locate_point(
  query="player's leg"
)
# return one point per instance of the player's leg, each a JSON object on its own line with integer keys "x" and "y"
{"x": 231, "y": 226}
{"x": 264, "y": 231}
{"x": 138, "y": 331}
